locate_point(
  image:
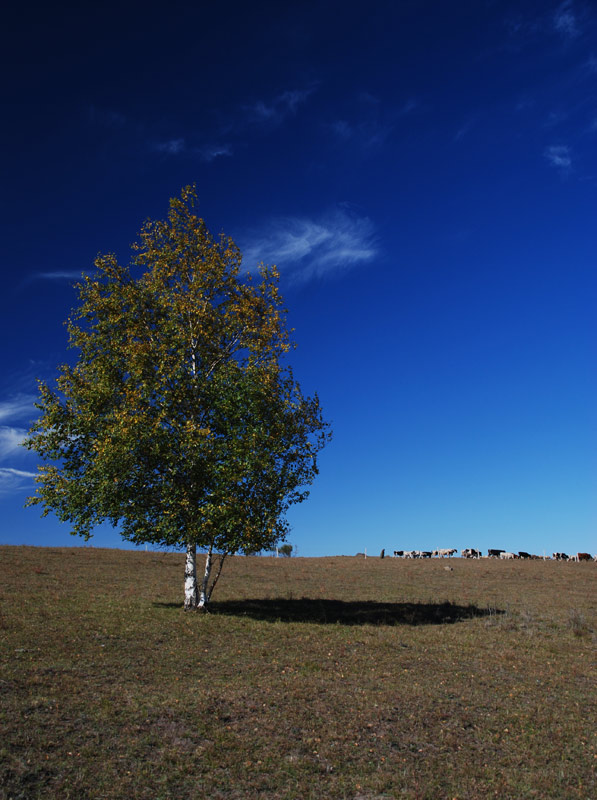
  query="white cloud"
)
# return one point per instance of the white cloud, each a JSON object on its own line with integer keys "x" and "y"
{"x": 171, "y": 147}
{"x": 259, "y": 114}
{"x": 179, "y": 147}
{"x": 276, "y": 110}
{"x": 293, "y": 99}
{"x": 463, "y": 130}
{"x": 568, "y": 20}
{"x": 556, "y": 118}
{"x": 11, "y": 480}
{"x": 565, "y": 21}
{"x": 305, "y": 248}
{"x": 342, "y": 129}
{"x": 17, "y": 408}
{"x": 211, "y": 152}
{"x": 369, "y": 98}
{"x": 559, "y": 156}
{"x": 11, "y": 440}
{"x": 410, "y": 106}
{"x": 20, "y": 473}
{"x": 368, "y": 135}
{"x": 525, "y": 103}
{"x": 375, "y": 124}
{"x": 71, "y": 276}
{"x": 11, "y": 443}
{"x": 58, "y": 275}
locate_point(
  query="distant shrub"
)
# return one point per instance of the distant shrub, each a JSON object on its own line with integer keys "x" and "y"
{"x": 578, "y": 623}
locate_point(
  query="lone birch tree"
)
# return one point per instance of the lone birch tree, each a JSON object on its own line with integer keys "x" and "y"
{"x": 179, "y": 422}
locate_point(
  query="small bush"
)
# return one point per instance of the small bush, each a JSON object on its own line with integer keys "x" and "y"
{"x": 578, "y": 623}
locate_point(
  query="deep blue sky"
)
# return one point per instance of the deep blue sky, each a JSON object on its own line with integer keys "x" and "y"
{"x": 425, "y": 176}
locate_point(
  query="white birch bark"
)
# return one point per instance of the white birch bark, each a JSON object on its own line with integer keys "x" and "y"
{"x": 204, "y": 593}
{"x": 191, "y": 593}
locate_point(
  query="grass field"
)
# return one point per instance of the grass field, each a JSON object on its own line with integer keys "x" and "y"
{"x": 310, "y": 678}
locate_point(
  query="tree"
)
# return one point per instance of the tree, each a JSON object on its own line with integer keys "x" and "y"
{"x": 180, "y": 421}
{"x": 286, "y": 550}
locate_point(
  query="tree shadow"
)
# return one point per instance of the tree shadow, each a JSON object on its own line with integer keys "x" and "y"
{"x": 333, "y": 612}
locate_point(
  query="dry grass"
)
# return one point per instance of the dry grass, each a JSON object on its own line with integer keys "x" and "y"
{"x": 311, "y": 678}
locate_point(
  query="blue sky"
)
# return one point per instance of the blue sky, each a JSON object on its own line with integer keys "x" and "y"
{"x": 424, "y": 174}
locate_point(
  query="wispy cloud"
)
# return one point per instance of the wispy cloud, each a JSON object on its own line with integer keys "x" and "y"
{"x": 11, "y": 440}
{"x": 565, "y": 21}
{"x": 368, "y": 134}
{"x": 179, "y": 147}
{"x": 12, "y": 480}
{"x": 58, "y": 275}
{"x": 171, "y": 147}
{"x": 559, "y": 156}
{"x": 273, "y": 112}
{"x": 569, "y": 20}
{"x": 305, "y": 248}
{"x": 207, "y": 144}
{"x": 375, "y": 123}
{"x": 463, "y": 130}
{"x": 18, "y": 407}
{"x": 556, "y": 117}
{"x": 20, "y": 473}
{"x": 210, "y": 152}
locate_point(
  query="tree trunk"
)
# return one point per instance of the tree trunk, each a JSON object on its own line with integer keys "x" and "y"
{"x": 191, "y": 590}
{"x": 205, "y": 593}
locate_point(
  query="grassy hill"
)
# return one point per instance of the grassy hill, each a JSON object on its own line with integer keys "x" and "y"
{"x": 310, "y": 678}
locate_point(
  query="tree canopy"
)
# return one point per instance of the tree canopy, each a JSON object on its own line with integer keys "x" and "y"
{"x": 181, "y": 421}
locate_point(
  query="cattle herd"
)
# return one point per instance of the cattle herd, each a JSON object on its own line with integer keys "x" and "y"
{"x": 470, "y": 552}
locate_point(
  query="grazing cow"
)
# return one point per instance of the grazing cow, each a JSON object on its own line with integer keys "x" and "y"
{"x": 398, "y": 553}
{"x": 424, "y": 553}
{"x": 444, "y": 553}
{"x": 494, "y": 553}
{"x": 584, "y": 557}
{"x": 470, "y": 552}
{"x": 522, "y": 554}
{"x": 506, "y": 556}
{"x": 561, "y": 557}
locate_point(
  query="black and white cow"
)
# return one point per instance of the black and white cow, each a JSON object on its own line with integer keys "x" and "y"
{"x": 470, "y": 552}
